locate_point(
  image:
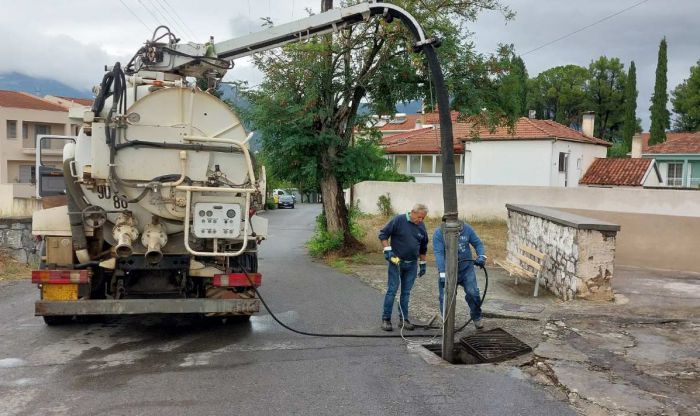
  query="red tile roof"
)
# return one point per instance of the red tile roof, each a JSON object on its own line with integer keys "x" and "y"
{"x": 676, "y": 143}
{"x": 526, "y": 129}
{"x": 408, "y": 123}
{"x": 15, "y": 99}
{"x": 82, "y": 101}
{"x": 617, "y": 172}
{"x": 427, "y": 140}
{"x": 419, "y": 141}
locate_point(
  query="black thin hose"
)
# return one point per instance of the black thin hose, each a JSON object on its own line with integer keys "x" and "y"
{"x": 326, "y": 335}
{"x": 331, "y": 335}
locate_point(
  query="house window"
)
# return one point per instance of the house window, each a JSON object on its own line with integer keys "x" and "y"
{"x": 42, "y": 129}
{"x": 25, "y": 130}
{"x": 563, "y": 159}
{"x": 458, "y": 164}
{"x": 675, "y": 174}
{"x": 11, "y": 129}
{"x": 27, "y": 174}
{"x": 401, "y": 163}
{"x": 438, "y": 164}
{"x": 427, "y": 164}
{"x": 414, "y": 165}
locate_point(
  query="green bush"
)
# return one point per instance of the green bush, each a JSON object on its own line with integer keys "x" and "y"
{"x": 384, "y": 205}
{"x": 270, "y": 204}
{"x": 324, "y": 242}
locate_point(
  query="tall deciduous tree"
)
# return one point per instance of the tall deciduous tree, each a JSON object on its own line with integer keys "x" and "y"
{"x": 660, "y": 116}
{"x": 605, "y": 91}
{"x": 630, "y": 123}
{"x": 686, "y": 102}
{"x": 307, "y": 105}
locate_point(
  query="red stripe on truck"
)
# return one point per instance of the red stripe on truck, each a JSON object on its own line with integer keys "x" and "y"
{"x": 60, "y": 276}
{"x": 236, "y": 279}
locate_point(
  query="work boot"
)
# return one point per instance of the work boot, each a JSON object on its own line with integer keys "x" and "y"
{"x": 406, "y": 324}
{"x": 386, "y": 326}
{"x": 478, "y": 324}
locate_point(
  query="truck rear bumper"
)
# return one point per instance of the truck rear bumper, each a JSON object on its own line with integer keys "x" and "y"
{"x": 146, "y": 306}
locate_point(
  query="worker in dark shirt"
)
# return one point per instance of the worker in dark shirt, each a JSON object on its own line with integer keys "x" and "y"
{"x": 466, "y": 275}
{"x": 406, "y": 257}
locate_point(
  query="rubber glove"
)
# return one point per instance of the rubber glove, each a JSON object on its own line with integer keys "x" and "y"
{"x": 480, "y": 261}
{"x": 388, "y": 254}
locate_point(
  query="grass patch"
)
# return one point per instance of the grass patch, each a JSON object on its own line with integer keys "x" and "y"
{"x": 340, "y": 264}
{"x": 11, "y": 269}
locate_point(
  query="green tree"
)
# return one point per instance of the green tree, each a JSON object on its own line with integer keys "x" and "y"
{"x": 307, "y": 105}
{"x": 630, "y": 121}
{"x": 559, "y": 93}
{"x": 660, "y": 116}
{"x": 605, "y": 92}
{"x": 686, "y": 102}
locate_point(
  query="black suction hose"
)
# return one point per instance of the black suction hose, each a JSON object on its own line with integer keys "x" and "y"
{"x": 335, "y": 335}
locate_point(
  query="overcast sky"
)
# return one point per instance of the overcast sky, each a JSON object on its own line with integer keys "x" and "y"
{"x": 72, "y": 40}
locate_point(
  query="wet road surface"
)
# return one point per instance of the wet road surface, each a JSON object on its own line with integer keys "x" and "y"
{"x": 181, "y": 366}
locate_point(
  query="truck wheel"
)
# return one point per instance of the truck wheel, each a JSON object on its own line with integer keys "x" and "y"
{"x": 57, "y": 320}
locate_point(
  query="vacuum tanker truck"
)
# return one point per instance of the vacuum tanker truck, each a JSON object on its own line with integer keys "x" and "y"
{"x": 161, "y": 187}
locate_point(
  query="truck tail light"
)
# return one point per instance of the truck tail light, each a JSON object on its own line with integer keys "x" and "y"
{"x": 60, "y": 276}
{"x": 236, "y": 280}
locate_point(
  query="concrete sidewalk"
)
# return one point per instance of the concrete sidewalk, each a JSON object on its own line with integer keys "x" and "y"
{"x": 637, "y": 355}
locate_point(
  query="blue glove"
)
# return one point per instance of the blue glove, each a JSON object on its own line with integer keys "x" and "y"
{"x": 421, "y": 268}
{"x": 388, "y": 254}
{"x": 480, "y": 261}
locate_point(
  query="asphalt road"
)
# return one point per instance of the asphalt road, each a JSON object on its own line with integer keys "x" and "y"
{"x": 178, "y": 366}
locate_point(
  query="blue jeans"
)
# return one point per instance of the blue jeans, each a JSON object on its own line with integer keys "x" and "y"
{"x": 405, "y": 274}
{"x": 467, "y": 279}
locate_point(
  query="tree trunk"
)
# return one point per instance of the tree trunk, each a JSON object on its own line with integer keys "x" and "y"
{"x": 334, "y": 208}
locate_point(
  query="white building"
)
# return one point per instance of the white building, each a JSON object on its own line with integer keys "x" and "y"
{"x": 530, "y": 153}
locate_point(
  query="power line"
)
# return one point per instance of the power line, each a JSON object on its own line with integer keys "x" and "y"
{"x": 194, "y": 36}
{"x": 149, "y": 12}
{"x": 135, "y": 15}
{"x": 585, "y": 27}
{"x": 167, "y": 17}
{"x": 154, "y": 6}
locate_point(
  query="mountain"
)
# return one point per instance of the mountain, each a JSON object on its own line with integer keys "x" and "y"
{"x": 40, "y": 87}
{"x": 410, "y": 107}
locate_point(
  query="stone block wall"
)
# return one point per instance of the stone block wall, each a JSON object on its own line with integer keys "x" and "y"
{"x": 16, "y": 239}
{"x": 580, "y": 251}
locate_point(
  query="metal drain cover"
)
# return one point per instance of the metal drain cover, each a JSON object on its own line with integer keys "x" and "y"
{"x": 494, "y": 345}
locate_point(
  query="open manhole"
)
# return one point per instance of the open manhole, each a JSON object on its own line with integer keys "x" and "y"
{"x": 490, "y": 346}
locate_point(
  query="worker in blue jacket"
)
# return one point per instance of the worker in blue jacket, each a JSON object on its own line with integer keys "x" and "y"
{"x": 466, "y": 274}
{"x": 406, "y": 257}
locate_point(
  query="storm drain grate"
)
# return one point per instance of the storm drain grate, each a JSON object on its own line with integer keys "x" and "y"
{"x": 494, "y": 345}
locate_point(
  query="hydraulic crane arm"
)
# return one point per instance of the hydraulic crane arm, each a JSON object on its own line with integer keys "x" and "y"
{"x": 212, "y": 60}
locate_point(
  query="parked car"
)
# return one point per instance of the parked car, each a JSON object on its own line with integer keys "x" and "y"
{"x": 285, "y": 200}
{"x": 277, "y": 195}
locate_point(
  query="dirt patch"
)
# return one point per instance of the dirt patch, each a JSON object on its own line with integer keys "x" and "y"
{"x": 493, "y": 234}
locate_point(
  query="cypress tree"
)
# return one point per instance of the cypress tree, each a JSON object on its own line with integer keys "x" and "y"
{"x": 630, "y": 122}
{"x": 660, "y": 116}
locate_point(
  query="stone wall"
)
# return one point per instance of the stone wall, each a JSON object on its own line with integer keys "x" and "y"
{"x": 580, "y": 251}
{"x": 16, "y": 239}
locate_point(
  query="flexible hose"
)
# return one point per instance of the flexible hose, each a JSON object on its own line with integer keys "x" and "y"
{"x": 335, "y": 335}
